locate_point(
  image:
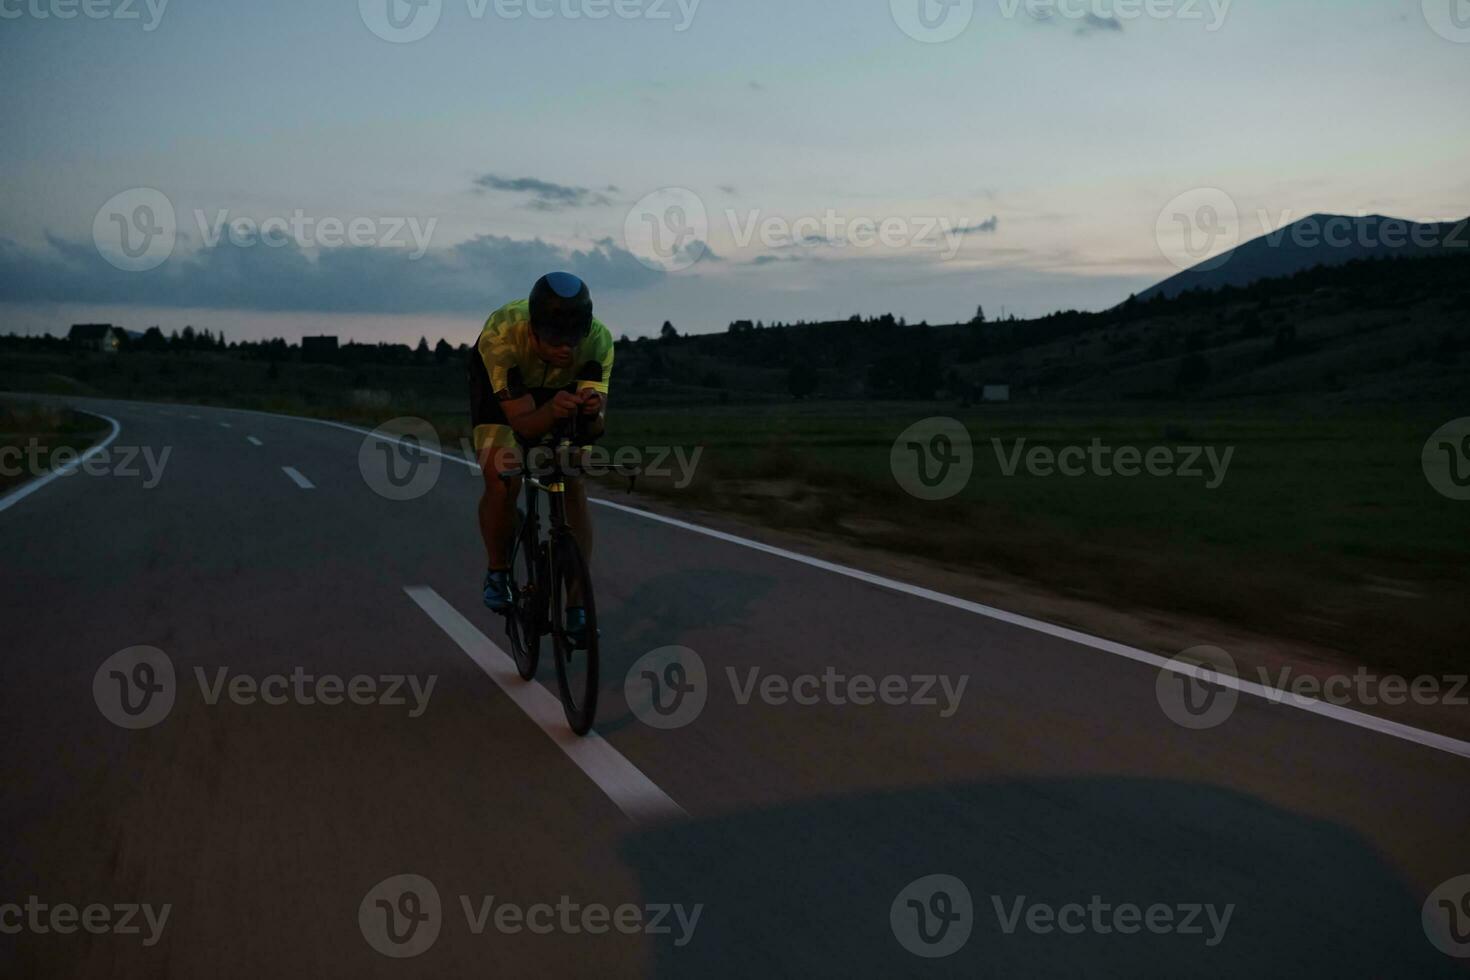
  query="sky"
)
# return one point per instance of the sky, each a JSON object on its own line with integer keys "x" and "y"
{"x": 386, "y": 169}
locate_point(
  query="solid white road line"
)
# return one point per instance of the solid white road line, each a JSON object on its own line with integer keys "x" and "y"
{"x": 16, "y": 496}
{"x": 296, "y": 476}
{"x": 254, "y": 441}
{"x": 1272, "y": 695}
{"x": 635, "y": 794}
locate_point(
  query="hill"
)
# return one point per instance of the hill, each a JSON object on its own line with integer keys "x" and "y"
{"x": 1321, "y": 239}
{"x": 1368, "y": 329}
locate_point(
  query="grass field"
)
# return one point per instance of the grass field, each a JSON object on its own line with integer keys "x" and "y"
{"x": 31, "y": 435}
{"x": 1324, "y": 528}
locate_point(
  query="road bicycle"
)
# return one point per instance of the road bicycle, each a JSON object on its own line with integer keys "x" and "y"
{"x": 547, "y": 574}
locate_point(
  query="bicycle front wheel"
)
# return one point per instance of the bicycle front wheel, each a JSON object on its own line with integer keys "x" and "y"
{"x": 576, "y": 655}
{"x": 523, "y": 622}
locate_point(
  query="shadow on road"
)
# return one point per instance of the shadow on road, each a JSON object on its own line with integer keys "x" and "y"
{"x": 806, "y": 890}
{"x": 663, "y": 611}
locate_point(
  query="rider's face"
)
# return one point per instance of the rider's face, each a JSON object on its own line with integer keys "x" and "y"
{"x": 557, "y": 354}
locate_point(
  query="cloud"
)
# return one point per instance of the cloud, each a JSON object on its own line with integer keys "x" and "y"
{"x": 696, "y": 251}
{"x": 728, "y": 189}
{"x": 545, "y": 196}
{"x": 1088, "y": 23}
{"x": 1092, "y": 23}
{"x": 773, "y": 259}
{"x": 757, "y": 87}
{"x": 472, "y": 275}
{"x": 985, "y": 227}
{"x": 814, "y": 241}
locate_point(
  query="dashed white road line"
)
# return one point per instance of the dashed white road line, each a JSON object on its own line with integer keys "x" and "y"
{"x": 1358, "y": 719}
{"x": 296, "y": 477}
{"x": 635, "y": 794}
{"x": 26, "y": 489}
{"x": 226, "y": 425}
{"x": 254, "y": 441}
{"x": 194, "y": 417}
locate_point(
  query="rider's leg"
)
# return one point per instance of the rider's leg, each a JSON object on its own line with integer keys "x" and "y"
{"x": 497, "y": 453}
{"x": 497, "y": 508}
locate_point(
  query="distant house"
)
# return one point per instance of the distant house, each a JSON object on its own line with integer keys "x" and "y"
{"x": 319, "y": 350}
{"x": 103, "y": 337}
{"x": 995, "y": 393}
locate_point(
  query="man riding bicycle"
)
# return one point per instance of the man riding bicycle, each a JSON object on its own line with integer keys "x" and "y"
{"x": 528, "y": 372}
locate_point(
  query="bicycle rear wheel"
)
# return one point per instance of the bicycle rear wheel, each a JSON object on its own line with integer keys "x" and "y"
{"x": 576, "y": 667}
{"x": 523, "y": 622}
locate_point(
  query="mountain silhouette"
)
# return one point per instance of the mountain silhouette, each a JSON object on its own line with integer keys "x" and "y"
{"x": 1321, "y": 239}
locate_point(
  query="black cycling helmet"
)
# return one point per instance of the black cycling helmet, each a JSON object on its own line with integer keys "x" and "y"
{"x": 561, "y": 308}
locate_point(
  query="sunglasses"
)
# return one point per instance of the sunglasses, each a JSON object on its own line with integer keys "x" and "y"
{"x": 555, "y": 339}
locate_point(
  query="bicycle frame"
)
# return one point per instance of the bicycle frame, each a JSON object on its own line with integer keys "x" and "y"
{"x": 553, "y": 485}
{"x": 555, "y": 571}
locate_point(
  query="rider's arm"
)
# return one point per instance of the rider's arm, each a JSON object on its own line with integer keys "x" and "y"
{"x": 530, "y": 422}
{"x": 594, "y": 413}
{"x": 594, "y": 393}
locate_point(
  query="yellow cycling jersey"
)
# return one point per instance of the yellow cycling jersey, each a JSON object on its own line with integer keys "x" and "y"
{"x": 510, "y": 361}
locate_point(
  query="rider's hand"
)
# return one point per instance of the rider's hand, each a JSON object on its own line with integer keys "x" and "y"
{"x": 591, "y": 402}
{"x": 565, "y": 404}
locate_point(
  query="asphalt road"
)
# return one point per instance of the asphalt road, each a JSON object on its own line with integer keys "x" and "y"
{"x": 1081, "y": 830}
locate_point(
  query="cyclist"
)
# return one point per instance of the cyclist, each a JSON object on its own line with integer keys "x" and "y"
{"x": 529, "y": 353}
